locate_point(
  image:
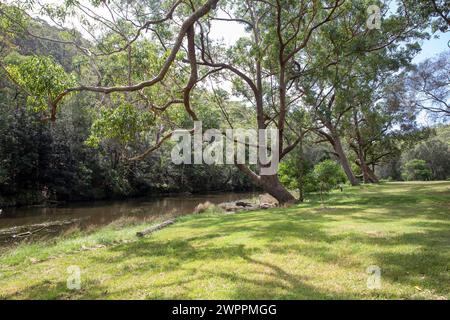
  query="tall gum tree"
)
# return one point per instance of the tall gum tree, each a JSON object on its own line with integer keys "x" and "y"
{"x": 344, "y": 55}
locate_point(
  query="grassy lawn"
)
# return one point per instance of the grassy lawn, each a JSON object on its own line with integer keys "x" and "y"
{"x": 302, "y": 252}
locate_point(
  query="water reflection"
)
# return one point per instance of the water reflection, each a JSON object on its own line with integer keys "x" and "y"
{"x": 102, "y": 213}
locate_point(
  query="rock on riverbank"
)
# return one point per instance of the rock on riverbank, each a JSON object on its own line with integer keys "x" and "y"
{"x": 264, "y": 201}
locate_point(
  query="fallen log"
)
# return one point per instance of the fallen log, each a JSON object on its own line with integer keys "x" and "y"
{"x": 155, "y": 228}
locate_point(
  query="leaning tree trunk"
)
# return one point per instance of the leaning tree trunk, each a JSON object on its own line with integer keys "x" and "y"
{"x": 364, "y": 168}
{"x": 272, "y": 185}
{"x": 335, "y": 141}
{"x": 301, "y": 174}
{"x": 343, "y": 160}
{"x": 372, "y": 175}
{"x": 367, "y": 176}
{"x": 367, "y": 173}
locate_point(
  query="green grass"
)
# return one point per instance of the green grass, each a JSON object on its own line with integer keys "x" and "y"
{"x": 302, "y": 252}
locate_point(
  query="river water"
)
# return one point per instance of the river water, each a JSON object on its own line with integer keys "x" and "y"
{"x": 105, "y": 212}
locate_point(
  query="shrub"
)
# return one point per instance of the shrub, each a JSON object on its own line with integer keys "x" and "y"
{"x": 436, "y": 154}
{"x": 328, "y": 175}
{"x": 416, "y": 169}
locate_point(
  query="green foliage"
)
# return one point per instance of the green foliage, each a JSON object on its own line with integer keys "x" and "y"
{"x": 435, "y": 152}
{"x": 432, "y": 13}
{"x": 125, "y": 124}
{"x": 296, "y": 170}
{"x": 42, "y": 78}
{"x": 10, "y": 18}
{"x": 328, "y": 174}
{"x": 293, "y": 171}
{"x": 443, "y": 133}
{"x": 287, "y": 175}
{"x": 416, "y": 169}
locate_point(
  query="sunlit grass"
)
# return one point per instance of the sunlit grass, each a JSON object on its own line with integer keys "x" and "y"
{"x": 303, "y": 252}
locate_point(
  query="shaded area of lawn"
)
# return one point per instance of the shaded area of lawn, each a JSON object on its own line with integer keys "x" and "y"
{"x": 302, "y": 252}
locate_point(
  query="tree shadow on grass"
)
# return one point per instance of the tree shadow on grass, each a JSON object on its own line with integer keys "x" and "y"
{"x": 57, "y": 290}
{"x": 278, "y": 225}
{"x": 276, "y": 283}
{"x": 152, "y": 256}
{"x": 302, "y": 232}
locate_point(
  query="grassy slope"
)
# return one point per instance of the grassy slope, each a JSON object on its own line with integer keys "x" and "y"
{"x": 300, "y": 252}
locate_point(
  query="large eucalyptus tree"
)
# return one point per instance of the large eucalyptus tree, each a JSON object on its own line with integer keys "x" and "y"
{"x": 165, "y": 56}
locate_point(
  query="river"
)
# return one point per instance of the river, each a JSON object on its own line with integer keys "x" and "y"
{"x": 104, "y": 212}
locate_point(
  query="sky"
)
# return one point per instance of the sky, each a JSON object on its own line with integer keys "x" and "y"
{"x": 433, "y": 47}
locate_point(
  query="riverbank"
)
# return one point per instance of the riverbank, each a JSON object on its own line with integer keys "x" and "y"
{"x": 102, "y": 213}
{"x": 303, "y": 252}
{"x": 35, "y": 199}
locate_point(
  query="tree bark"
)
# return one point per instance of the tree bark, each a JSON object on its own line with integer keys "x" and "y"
{"x": 337, "y": 145}
{"x": 372, "y": 175}
{"x": 335, "y": 141}
{"x": 368, "y": 175}
{"x": 364, "y": 169}
{"x": 359, "y": 149}
{"x": 301, "y": 173}
{"x": 155, "y": 228}
{"x": 272, "y": 185}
